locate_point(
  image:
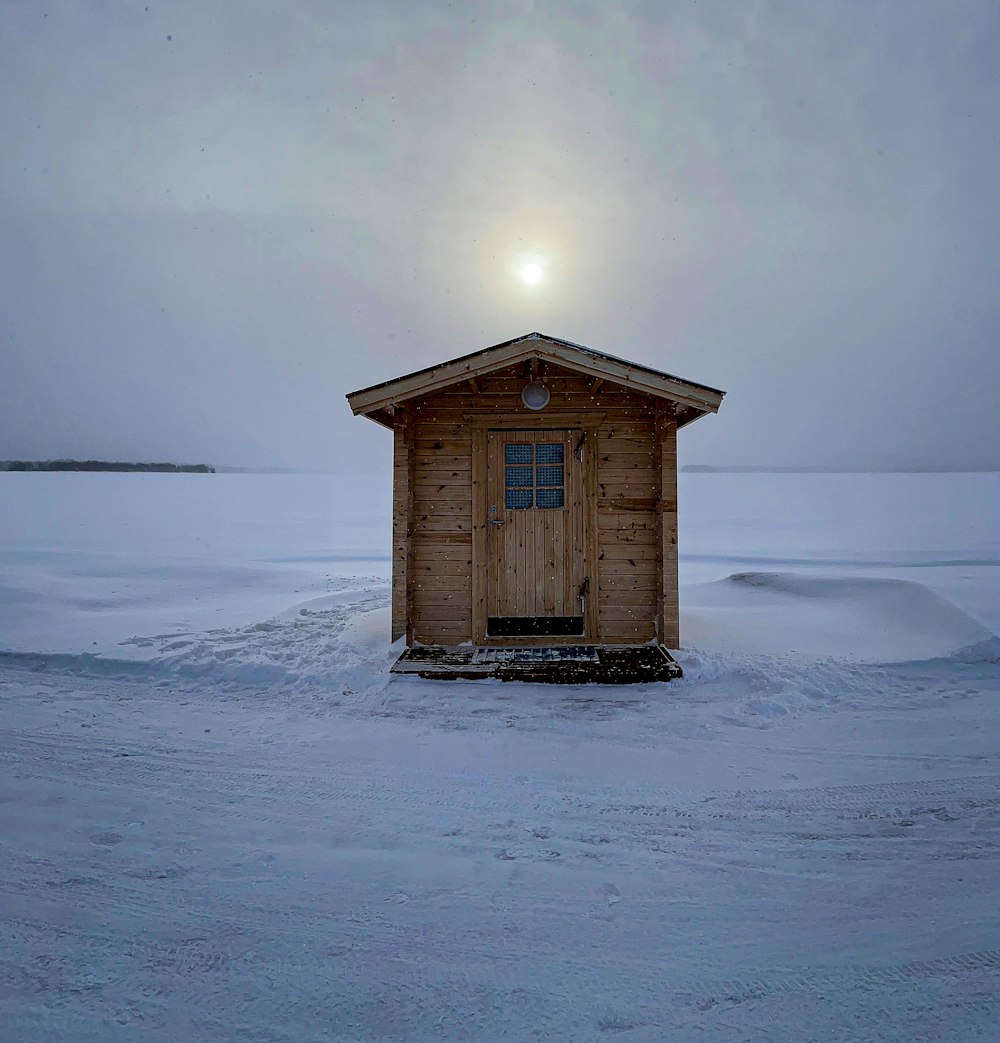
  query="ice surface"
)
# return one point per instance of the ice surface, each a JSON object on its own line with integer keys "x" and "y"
{"x": 88, "y": 561}
{"x": 226, "y": 821}
{"x": 86, "y": 565}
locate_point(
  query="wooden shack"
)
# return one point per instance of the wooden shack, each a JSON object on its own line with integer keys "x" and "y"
{"x": 535, "y": 511}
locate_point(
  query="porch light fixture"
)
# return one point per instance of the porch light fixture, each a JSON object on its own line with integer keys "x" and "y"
{"x": 535, "y": 395}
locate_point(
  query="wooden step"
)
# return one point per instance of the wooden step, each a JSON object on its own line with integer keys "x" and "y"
{"x": 557, "y": 664}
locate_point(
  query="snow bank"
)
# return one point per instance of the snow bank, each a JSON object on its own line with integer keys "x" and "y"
{"x": 336, "y": 643}
{"x": 936, "y": 529}
{"x": 861, "y": 618}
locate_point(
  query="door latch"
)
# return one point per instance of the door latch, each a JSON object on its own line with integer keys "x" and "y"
{"x": 584, "y": 590}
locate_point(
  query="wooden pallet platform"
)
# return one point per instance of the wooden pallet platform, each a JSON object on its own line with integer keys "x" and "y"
{"x": 566, "y": 664}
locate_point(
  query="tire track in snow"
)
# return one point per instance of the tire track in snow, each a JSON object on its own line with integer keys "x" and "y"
{"x": 737, "y": 991}
{"x": 209, "y": 957}
{"x": 854, "y": 801}
{"x": 263, "y": 788}
{"x": 522, "y": 813}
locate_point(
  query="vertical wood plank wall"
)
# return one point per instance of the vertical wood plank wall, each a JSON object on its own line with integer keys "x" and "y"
{"x": 636, "y": 509}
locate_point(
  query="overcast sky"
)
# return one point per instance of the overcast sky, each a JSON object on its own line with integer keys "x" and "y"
{"x": 218, "y": 218}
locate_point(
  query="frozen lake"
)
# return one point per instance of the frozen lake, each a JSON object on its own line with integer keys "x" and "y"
{"x": 90, "y": 560}
{"x": 221, "y": 819}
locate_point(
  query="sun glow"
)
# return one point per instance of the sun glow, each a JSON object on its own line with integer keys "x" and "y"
{"x": 531, "y": 273}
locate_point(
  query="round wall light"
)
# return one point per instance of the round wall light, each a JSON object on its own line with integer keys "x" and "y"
{"x": 535, "y": 395}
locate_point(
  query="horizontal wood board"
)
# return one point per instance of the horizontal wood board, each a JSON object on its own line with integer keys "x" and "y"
{"x": 634, "y": 512}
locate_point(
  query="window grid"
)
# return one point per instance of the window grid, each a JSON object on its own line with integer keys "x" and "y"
{"x": 534, "y": 476}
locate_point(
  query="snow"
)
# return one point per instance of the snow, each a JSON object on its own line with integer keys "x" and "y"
{"x": 221, "y": 819}
{"x": 865, "y": 618}
{"x": 88, "y": 563}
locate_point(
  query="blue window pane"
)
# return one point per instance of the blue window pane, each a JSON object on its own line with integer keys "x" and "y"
{"x": 518, "y": 476}
{"x": 517, "y": 454}
{"x": 549, "y": 476}
{"x": 549, "y": 454}
{"x": 515, "y": 499}
{"x": 549, "y": 497}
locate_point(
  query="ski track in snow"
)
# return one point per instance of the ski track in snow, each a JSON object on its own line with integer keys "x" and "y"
{"x": 256, "y": 834}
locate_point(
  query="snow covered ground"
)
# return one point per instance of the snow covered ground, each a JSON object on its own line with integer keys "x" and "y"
{"x": 220, "y": 819}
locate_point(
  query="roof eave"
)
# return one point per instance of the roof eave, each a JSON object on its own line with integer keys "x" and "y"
{"x": 499, "y": 356}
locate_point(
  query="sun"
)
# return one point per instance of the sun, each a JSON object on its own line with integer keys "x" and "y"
{"x": 531, "y": 273}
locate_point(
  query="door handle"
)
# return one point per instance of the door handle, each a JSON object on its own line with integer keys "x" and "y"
{"x": 496, "y": 521}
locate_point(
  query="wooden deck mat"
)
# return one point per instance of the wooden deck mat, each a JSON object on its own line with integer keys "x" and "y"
{"x": 567, "y": 664}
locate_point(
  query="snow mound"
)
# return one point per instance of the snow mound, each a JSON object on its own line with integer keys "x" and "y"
{"x": 865, "y": 619}
{"x": 339, "y": 642}
{"x": 987, "y": 651}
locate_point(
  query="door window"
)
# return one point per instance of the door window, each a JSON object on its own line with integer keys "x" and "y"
{"x": 534, "y": 475}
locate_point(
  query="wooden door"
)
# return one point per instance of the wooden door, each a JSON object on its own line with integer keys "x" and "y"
{"x": 536, "y": 534}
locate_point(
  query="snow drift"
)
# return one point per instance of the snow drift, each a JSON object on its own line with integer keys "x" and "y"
{"x": 868, "y": 619}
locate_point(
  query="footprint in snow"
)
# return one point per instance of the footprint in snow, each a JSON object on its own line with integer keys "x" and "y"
{"x": 106, "y": 839}
{"x": 170, "y": 873}
{"x": 610, "y": 893}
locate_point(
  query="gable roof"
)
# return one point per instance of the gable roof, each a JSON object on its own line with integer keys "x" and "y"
{"x": 698, "y": 398}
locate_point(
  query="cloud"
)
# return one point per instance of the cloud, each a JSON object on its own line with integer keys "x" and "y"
{"x": 217, "y": 218}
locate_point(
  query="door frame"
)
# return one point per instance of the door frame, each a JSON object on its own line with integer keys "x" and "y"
{"x": 588, "y": 424}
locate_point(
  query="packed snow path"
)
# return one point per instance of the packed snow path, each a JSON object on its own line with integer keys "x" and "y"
{"x": 767, "y": 849}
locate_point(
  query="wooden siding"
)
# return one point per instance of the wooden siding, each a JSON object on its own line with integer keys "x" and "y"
{"x": 667, "y": 609}
{"x": 442, "y": 530}
{"x": 402, "y": 506}
{"x": 631, "y": 462}
{"x": 628, "y": 575}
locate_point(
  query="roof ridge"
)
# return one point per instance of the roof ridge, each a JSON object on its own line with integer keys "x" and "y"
{"x": 611, "y": 366}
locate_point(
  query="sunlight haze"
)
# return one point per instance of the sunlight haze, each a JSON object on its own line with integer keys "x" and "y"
{"x": 219, "y": 218}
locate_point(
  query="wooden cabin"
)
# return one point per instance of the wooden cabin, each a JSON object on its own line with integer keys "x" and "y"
{"x": 535, "y": 509}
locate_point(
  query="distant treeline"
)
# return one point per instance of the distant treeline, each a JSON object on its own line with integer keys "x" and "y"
{"x": 101, "y": 465}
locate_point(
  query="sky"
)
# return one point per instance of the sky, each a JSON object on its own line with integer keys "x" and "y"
{"x": 217, "y": 219}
